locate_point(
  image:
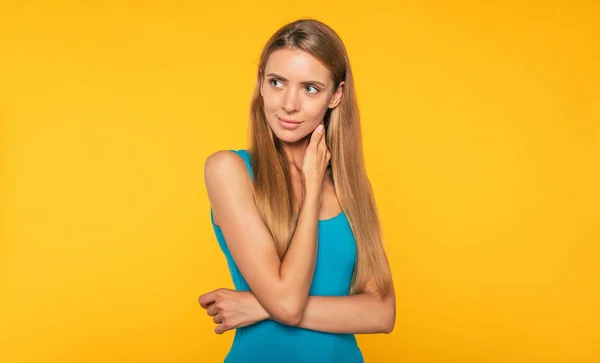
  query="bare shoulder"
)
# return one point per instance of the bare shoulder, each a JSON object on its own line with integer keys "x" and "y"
{"x": 223, "y": 162}
{"x": 227, "y": 181}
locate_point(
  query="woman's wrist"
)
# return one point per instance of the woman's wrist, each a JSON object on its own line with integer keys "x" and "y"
{"x": 258, "y": 311}
{"x": 312, "y": 200}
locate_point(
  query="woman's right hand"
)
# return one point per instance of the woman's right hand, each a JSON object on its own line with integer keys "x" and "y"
{"x": 316, "y": 159}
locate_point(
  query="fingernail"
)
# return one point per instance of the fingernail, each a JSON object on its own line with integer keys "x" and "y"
{"x": 320, "y": 128}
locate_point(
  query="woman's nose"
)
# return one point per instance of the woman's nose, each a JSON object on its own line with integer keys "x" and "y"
{"x": 290, "y": 101}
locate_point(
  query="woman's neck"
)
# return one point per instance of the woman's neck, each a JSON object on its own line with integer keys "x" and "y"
{"x": 295, "y": 152}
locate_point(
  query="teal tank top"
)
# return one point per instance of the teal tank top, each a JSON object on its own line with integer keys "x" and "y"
{"x": 271, "y": 342}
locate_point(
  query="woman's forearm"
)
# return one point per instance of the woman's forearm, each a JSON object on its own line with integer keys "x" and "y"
{"x": 298, "y": 265}
{"x": 356, "y": 314}
{"x": 363, "y": 313}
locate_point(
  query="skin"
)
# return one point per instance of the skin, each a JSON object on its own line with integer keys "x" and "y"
{"x": 290, "y": 92}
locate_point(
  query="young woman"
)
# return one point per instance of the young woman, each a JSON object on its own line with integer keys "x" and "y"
{"x": 295, "y": 215}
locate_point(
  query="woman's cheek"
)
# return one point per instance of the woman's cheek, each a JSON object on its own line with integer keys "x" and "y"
{"x": 315, "y": 112}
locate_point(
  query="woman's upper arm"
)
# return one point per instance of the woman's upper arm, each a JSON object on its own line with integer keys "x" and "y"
{"x": 248, "y": 238}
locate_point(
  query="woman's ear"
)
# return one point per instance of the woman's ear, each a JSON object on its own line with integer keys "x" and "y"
{"x": 260, "y": 83}
{"x": 337, "y": 96}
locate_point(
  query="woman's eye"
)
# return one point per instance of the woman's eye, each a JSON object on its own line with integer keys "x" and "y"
{"x": 273, "y": 81}
{"x": 315, "y": 89}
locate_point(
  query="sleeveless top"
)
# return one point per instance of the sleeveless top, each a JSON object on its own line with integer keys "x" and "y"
{"x": 271, "y": 342}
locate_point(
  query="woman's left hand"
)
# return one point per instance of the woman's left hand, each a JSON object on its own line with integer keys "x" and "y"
{"x": 232, "y": 309}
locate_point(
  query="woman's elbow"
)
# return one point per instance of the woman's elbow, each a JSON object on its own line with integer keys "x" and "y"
{"x": 289, "y": 314}
{"x": 289, "y": 319}
{"x": 388, "y": 319}
{"x": 388, "y": 326}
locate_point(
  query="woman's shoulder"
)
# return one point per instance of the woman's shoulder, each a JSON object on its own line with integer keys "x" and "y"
{"x": 226, "y": 163}
{"x": 223, "y": 160}
{"x": 226, "y": 179}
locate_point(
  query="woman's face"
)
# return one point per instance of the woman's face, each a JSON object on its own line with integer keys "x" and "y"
{"x": 297, "y": 89}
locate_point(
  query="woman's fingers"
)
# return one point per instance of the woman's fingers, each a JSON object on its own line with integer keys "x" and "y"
{"x": 212, "y": 310}
{"x": 323, "y": 143}
{"x": 208, "y": 298}
{"x": 221, "y": 328}
{"x": 315, "y": 161}
{"x": 316, "y": 136}
{"x": 218, "y": 319}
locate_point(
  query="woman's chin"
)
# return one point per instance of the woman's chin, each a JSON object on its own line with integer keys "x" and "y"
{"x": 290, "y": 136}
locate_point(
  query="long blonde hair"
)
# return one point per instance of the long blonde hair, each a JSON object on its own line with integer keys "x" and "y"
{"x": 272, "y": 180}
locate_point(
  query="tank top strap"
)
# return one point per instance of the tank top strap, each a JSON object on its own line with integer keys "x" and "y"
{"x": 244, "y": 154}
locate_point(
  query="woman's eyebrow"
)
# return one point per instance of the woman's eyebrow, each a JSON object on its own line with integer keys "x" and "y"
{"x": 305, "y": 82}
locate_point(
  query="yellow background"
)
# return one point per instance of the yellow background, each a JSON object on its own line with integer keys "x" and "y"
{"x": 482, "y": 139}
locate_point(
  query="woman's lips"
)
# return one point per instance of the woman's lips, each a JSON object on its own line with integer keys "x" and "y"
{"x": 289, "y": 124}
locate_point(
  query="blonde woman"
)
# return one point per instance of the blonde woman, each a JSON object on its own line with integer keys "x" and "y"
{"x": 295, "y": 214}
